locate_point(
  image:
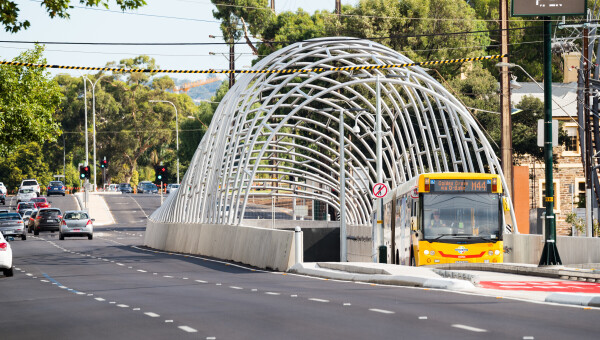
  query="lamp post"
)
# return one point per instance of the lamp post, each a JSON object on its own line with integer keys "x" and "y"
{"x": 94, "y": 122}
{"x": 176, "y": 130}
{"x": 343, "y": 234}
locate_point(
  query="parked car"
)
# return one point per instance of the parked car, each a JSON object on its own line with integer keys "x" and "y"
{"x": 5, "y": 257}
{"x": 29, "y": 224}
{"x": 56, "y": 188}
{"x": 2, "y": 188}
{"x": 30, "y": 184}
{"x": 113, "y": 187}
{"x": 41, "y": 202}
{"x": 11, "y": 224}
{"x": 24, "y": 195}
{"x": 76, "y": 223}
{"x": 125, "y": 188}
{"x": 147, "y": 187}
{"x": 172, "y": 187}
{"x": 22, "y": 206}
{"x": 3, "y": 198}
{"x": 47, "y": 219}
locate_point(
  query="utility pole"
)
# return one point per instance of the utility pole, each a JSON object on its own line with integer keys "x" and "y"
{"x": 506, "y": 152}
{"x": 588, "y": 132}
{"x": 338, "y": 7}
{"x": 231, "y": 63}
{"x": 273, "y": 6}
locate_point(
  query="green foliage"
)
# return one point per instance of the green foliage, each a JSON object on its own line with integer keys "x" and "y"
{"x": 28, "y": 100}
{"x": 9, "y": 11}
{"x": 579, "y": 224}
{"x": 27, "y": 161}
{"x": 135, "y": 178}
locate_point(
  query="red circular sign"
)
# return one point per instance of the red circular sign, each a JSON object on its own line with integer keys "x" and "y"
{"x": 380, "y": 190}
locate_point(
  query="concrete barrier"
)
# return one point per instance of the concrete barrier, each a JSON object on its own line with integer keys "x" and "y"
{"x": 259, "y": 247}
{"x": 524, "y": 248}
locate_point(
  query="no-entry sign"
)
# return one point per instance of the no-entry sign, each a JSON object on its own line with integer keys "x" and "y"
{"x": 380, "y": 190}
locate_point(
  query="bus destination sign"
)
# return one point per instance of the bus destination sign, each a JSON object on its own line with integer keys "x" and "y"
{"x": 461, "y": 185}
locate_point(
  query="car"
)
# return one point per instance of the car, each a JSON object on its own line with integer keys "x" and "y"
{"x": 47, "y": 219}
{"x": 24, "y": 195}
{"x": 2, "y": 188}
{"x": 125, "y": 188}
{"x": 3, "y": 198}
{"x": 172, "y": 187}
{"x": 22, "y": 206}
{"x": 11, "y": 224}
{"x": 113, "y": 187}
{"x": 5, "y": 257}
{"x": 29, "y": 224}
{"x": 30, "y": 184}
{"x": 56, "y": 188}
{"x": 76, "y": 223}
{"x": 141, "y": 184}
{"x": 41, "y": 202}
{"x": 147, "y": 188}
{"x": 25, "y": 215}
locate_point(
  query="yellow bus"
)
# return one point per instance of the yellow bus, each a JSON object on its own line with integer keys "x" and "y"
{"x": 440, "y": 218}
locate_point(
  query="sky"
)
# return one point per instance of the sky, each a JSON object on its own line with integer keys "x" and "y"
{"x": 160, "y": 21}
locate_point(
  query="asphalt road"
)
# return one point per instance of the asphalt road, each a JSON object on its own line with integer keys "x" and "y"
{"x": 112, "y": 287}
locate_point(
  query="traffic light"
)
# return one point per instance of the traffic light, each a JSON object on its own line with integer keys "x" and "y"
{"x": 161, "y": 173}
{"x": 104, "y": 164}
{"x": 84, "y": 172}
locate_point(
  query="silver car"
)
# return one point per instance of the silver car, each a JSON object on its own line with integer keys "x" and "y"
{"x": 76, "y": 223}
{"x": 11, "y": 224}
{"x": 24, "y": 195}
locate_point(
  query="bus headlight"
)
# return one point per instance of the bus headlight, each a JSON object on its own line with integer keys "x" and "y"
{"x": 491, "y": 252}
{"x": 426, "y": 252}
{"x": 497, "y": 252}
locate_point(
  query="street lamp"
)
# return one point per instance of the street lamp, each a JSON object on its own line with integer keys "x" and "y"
{"x": 343, "y": 237}
{"x": 94, "y": 121}
{"x": 176, "y": 130}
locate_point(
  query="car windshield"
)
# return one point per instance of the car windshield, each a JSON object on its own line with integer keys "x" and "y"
{"x": 10, "y": 216}
{"x": 49, "y": 213}
{"x": 461, "y": 216}
{"x": 149, "y": 186}
{"x": 30, "y": 183}
{"x": 76, "y": 216}
{"x": 25, "y": 191}
{"x": 56, "y": 183}
{"x": 39, "y": 199}
{"x": 27, "y": 205}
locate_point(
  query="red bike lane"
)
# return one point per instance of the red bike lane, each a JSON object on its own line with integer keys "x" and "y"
{"x": 544, "y": 286}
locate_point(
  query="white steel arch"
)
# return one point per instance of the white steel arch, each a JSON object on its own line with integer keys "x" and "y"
{"x": 271, "y": 132}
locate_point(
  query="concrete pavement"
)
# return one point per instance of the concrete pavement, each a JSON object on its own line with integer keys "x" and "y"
{"x": 96, "y": 207}
{"x": 519, "y": 281}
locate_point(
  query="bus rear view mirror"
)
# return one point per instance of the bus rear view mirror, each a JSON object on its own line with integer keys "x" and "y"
{"x": 413, "y": 223}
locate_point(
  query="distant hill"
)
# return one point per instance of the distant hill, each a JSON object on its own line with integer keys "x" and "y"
{"x": 204, "y": 92}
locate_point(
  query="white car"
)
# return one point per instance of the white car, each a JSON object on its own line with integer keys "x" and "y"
{"x": 24, "y": 195}
{"x": 2, "y": 188}
{"x": 5, "y": 257}
{"x": 31, "y": 184}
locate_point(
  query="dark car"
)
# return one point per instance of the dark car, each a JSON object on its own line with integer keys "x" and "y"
{"x": 3, "y": 198}
{"x": 47, "y": 219}
{"x": 11, "y": 224}
{"x": 31, "y": 221}
{"x": 56, "y": 188}
{"x": 125, "y": 188}
{"x": 147, "y": 188}
{"x": 22, "y": 206}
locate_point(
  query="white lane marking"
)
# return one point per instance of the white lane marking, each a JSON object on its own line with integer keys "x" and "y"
{"x": 293, "y": 295}
{"x": 234, "y": 287}
{"x": 185, "y": 278}
{"x": 90, "y": 295}
{"x": 187, "y": 329}
{"x": 168, "y": 320}
{"x": 469, "y": 328}
{"x": 318, "y": 300}
{"x": 347, "y": 304}
{"x": 152, "y": 315}
{"x": 120, "y": 264}
{"x": 168, "y": 276}
{"x": 62, "y": 287}
{"x": 271, "y": 293}
{"x": 80, "y": 293}
{"x": 100, "y": 299}
{"x": 122, "y": 306}
{"x": 218, "y": 284}
{"x": 136, "y": 309}
{"x": 141, "y": 271}
{"x": 211, "y": 338}
{"x": 28, "y": 274}
{"x": 383, "y": 311}
{"x": 200, "y": 281}
{"x": 254, "y": 290}
{"x": 44, "y": 280}
{"x": 112, "y": 302}
{"x": 528, "y": 338}
{"x": 422, "y": 318}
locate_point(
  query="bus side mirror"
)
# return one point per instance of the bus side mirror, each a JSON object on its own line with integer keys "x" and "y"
{"x": 505, "y": 204}
{"x": 413, "y": 223}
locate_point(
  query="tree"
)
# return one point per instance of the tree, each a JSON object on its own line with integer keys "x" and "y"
{"x": 26, "y": 162}
{"x": 9, "y": 11}
{"x": 28, "y": 100}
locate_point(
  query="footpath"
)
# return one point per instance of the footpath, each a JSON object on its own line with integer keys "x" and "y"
{"x": 96, "y": 207}
{"x": 553, "y": 284}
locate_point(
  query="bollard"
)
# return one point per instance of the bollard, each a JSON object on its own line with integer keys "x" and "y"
{"x": 298, "y": 243}
{"x": 382, "y": 254}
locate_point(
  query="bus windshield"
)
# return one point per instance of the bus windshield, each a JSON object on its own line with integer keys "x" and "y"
{"x": 461, "y": 215}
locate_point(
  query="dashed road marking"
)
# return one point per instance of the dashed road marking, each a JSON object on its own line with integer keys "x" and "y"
{"x": 383, "y": 311}
{"x": 168, "y": 276}
{"x": 469, "y": 328}
{"x": 152, "y": 315}
{"x": 187, "y": 329}
{"x": 122, "y": 306}
{"x": 422, "y": 318}
{"x": 235, "y": 287}
{"x": 200, "y": 281}
{"x": 347, "y": 304}
{"x": 141, "y": 271}
{"x": 99, "y": 299}
{"x": 318, "y": 300}
{"x": 272, "y": 293}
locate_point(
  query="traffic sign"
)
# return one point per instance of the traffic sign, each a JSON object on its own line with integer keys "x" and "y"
{"x": 380, "y": 190}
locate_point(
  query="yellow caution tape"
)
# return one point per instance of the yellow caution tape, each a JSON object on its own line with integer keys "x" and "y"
{"x": 283, "y": 71}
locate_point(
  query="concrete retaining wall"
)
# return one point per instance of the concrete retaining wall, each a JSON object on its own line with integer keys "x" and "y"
{"x": 259, "y": 247}
{"x": 572, "y": 250}
{"x": 290, "y": 224}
